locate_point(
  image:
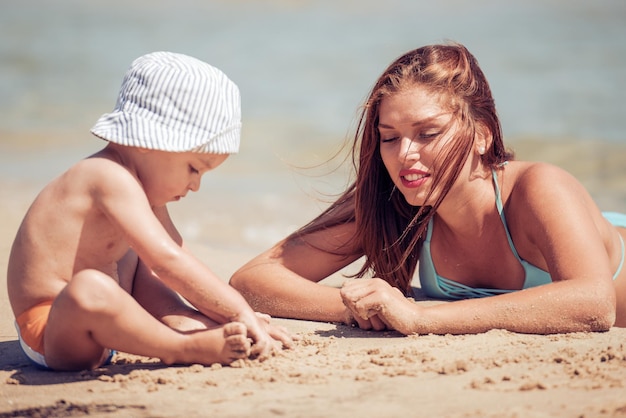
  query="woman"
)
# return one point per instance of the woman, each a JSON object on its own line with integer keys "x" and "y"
{"x": 518, "y": 245}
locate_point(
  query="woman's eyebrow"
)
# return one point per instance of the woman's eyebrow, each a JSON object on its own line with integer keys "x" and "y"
{"x": 432, "y": 120}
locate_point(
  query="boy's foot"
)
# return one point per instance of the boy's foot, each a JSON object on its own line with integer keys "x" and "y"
{"x": 223, "y": 344}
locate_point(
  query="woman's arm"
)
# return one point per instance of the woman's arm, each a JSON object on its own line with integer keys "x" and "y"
{"x": 566, "y": 306}
{"x": 283, "y": 281}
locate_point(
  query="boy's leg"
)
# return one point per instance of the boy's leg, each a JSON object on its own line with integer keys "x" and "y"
{"x": 93, "y": 313}
{"x": 165, "y": 304}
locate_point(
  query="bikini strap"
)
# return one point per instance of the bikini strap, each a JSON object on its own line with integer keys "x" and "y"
{"x": 429, "y": 229}
{"x": 621, "y": 263}
{"x": 501, "y": 212}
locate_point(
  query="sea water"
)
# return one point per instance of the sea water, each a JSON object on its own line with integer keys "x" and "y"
{"x": 557, "y": 69}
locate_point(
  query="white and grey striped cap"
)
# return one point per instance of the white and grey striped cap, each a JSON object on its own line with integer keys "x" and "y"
{"x": 177, "y": 103}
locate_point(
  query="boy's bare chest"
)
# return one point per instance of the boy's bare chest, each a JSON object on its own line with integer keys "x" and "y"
{"x": 101, "y": 241}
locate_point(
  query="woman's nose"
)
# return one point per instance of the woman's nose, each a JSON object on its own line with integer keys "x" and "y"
{"x": 409, "y": 149}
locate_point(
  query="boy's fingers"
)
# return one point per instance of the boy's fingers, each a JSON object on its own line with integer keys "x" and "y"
{"x": 261, "y": 351}
{"x": 282, "y": 335}
{"x": 263, "y": 317}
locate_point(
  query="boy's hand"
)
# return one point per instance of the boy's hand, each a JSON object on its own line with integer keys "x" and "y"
{"x": 278, "y": 333}
{"x": 266, "y": 338}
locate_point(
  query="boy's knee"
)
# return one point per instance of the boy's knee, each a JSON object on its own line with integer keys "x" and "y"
{"x": 91, "y": 290}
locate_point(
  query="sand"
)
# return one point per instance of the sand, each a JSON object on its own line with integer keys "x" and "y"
{"x": 337, "y": 371}
{"x": 333, "y": 371}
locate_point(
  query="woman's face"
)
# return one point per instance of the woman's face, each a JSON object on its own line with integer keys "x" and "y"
{"x": 414, "y": 128}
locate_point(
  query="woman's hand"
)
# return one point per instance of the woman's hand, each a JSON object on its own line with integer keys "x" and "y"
{"x": 373, "y": 322}
{"x": 375, "y": 304}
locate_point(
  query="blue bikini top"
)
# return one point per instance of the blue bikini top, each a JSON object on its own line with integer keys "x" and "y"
{"x": 439, "y": 287}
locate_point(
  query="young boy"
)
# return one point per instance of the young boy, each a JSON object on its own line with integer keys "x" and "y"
{"x": 97, "y": 264}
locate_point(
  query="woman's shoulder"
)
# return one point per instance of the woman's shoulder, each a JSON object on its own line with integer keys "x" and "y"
{"x": 541, "y": 185}
{"x": 530, "y": 176}
{"x": 525, "y": 170}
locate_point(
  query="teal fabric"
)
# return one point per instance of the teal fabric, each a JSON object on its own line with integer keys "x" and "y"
{"x": 439, "y": 287}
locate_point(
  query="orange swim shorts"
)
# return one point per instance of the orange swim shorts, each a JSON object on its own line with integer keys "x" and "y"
{"x": 32, "y": 324}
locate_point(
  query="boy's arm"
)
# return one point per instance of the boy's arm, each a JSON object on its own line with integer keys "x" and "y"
{"x": 163, "y": 215}
{"x": 122, "y": 199}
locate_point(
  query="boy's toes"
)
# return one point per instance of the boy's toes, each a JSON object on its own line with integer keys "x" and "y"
{"x": 235, "y": 334}
{"x": 235, "y": 328}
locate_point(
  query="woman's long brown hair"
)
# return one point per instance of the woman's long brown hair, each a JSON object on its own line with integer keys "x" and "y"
{"x": 389, "y": 231}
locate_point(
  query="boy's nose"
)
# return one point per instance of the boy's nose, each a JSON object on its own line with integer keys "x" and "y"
{"x": 194, "y": 184}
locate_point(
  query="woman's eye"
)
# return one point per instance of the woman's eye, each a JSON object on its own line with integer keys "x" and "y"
{"x": 388, "y": 139}
{"x": 429, "y": 135}
{"x": 193, "y": 170}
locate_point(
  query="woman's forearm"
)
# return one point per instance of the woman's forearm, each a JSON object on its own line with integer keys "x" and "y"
{"x": 282, "y": 293}
{"x": 554, "y": 308}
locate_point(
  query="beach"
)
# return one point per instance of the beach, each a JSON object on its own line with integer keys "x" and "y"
{"x": 334, "y": 370}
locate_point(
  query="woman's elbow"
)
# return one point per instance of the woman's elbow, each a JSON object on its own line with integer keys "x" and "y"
{"x": 240, "y": 280}
{"x": 602, "y": 320}
{"x": 603, "y": 314}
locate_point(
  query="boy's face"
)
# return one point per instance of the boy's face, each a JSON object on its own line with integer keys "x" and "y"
{"x": 168, "y": 176}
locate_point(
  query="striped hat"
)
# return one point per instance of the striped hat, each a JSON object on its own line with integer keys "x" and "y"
{"x": 177, "y": 103}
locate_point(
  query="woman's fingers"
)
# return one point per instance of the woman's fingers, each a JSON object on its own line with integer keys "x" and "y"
{"x": 364, "y": 296}
{"x": 377, "y": 323}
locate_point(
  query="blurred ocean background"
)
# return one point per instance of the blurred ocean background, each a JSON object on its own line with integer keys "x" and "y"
{"x": 557, "y": 69}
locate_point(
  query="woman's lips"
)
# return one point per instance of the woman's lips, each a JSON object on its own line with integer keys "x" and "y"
{"x": 413, "y": 178}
